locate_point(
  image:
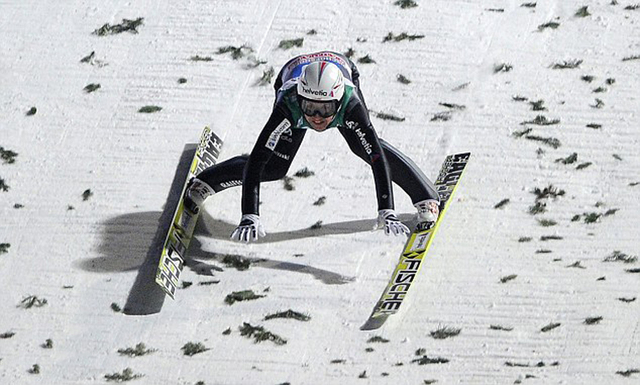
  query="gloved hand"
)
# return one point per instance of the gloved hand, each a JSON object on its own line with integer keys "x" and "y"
{"x": 249, "y": 229}
{"x": 388, "y": 220}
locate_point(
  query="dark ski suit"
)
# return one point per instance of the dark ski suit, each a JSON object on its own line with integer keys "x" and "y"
{"x": 283, "y": 133}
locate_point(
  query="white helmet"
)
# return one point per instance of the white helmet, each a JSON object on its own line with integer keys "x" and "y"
{"x": 321, "y": 81}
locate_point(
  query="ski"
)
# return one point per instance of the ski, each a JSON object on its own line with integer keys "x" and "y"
{"x": 181, "y": 230}
{"x": 417, "y": 246}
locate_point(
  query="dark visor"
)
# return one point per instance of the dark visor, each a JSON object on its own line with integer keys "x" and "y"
{"x": 324, "y": 109}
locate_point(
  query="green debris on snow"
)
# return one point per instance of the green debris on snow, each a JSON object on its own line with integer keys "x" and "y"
{"x": 541, "y": 120}
{"x": 192, "y": 348}
{"x": 126, "y": 375}
{"x": 291, "y": 43}
{"x": 445, "y": 332}
{"x": 239, "y": 296}
{"x": 502, "y": 67}
{"x": 404, "y": 4}
{"x": 289, "y": 314}
{"x": 7, "y": 335}
{"x": 583, "y": 12}
{"x": 400, "y": 37}
{"x": 201, "y": 58}
{"x": 236, "y": 52}
{"x": 267, "y": 76}
{"x": 377, "y": 339}
{"x": 320, "y": 201}
{"x": 32, "y": 301}
{"x": 549, "y": 25}
{"x": 548, "y": 192}
{"x": 366, "y": 60}
{"x": 618, "y": 256}
{"x": 425, "y": 360}
{"x": 550, "y": 327}
{"x": 567, "y": 64}
{"x": 386, "y": 116}
{"x": 304, "y": 173}
{"x": 149, "y": 109}
{"x": 92, "y": 87}
{"x": 139, "y": 350}
{"x": 126, "y": 25}
{"x": 403, "y": 79}
{"x": 508, "y": 278}
{"x": 260, "y": 334}
{"x": 7, "y": 156}
{"x": 569, "y": 159}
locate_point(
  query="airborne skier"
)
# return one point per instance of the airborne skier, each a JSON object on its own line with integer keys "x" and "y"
{"x": 315, "y": 91}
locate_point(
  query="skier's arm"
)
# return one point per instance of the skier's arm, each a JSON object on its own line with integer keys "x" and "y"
{"x": 263, "y": 149}
{"x": 364, "y": 142}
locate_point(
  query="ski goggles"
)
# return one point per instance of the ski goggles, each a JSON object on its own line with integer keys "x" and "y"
{"x": 324, "y": 109}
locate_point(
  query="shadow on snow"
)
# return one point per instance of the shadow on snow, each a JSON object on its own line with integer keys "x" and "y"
{"x": 134, "y": 242}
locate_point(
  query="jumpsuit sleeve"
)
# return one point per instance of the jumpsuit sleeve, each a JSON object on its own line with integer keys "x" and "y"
{"x": 363, "y": 141}
{"x": 262, "y": 151}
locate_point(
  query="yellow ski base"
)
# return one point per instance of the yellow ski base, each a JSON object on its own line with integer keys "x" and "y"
{"x": 417, "y": 246}
{"x": 178, "y": 239}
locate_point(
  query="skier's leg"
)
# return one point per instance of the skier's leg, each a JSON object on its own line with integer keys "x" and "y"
{"x": 225, "y": 174}
{"x": 230, "y": 172}
{"x": 212, "y": 180}
{"x": 404, "y": 172}
{"x": 411, "y": 179}
{"x": 408, "y": 176}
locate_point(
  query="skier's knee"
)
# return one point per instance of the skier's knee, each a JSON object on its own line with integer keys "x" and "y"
{"x": 275, "y": 174}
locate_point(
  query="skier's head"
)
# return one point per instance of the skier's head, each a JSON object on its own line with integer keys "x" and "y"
{"x": 320, "y": 90}
{"x": 321, "y": 81}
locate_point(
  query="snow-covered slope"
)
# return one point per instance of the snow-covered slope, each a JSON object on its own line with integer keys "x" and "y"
{"x": 478, "y": 72}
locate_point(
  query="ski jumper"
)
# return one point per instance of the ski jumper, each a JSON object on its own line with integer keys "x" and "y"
{"x": 283, "y": 133}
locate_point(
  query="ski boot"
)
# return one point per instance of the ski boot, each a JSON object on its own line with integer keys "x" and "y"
{"x": 194, "y": 196}
{"x": 428, "y": 212}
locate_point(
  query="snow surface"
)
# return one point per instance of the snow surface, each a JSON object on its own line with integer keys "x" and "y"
{"x": 83, "y": 256}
